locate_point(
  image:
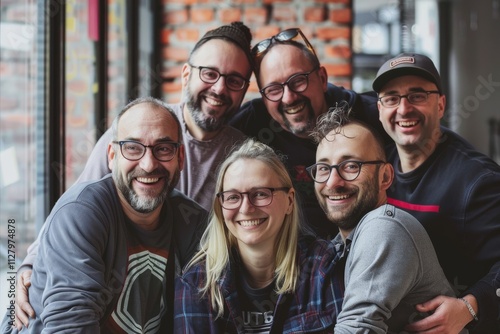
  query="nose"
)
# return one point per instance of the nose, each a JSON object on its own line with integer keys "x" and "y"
{"x": 148, "y": 162}
{"x": 246, "y": 206}
{"x": 404, "y": 105}
{"x": 334, "y": 180}
{"x": 289, "y": 96}
{"x": 219, "y": 86}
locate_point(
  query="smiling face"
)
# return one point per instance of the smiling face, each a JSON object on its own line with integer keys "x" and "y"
{"x": 412, "y": 127}
{"x": 346, "y": 202}
{"x": 145, "y": 184}
{"x": 210, "y": 105}
{"x": 295, "y": 112}
{"x": 255, "y": 226}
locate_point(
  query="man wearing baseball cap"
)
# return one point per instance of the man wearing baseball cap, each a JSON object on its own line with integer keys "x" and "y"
{"x": 450, "y": 187}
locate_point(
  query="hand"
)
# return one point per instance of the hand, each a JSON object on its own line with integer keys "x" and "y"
{"x": 449, "y": 315}
{"x": 24, "y": 311}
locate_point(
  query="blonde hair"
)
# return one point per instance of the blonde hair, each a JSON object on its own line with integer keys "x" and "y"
{"x": 217, "y": 242}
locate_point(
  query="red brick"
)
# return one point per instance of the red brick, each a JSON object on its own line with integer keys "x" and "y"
{"x": 175, "y": 53}
{"x": 255, "y": 15}
{"x": 201, "y": 15}
{"x": 165, "y": 36}
{"x": 338, "y": 51}
{"x": 265, "y": 32}
{"x": 315, "y": 14}
{"x": 182, "y": 2}
{"x": 283, "y": 13}
{"x": 272, "y": 2}
{"x": 343, "y": 15}
{"x": 345, "y": 2}
{"x": 172, "y": 72}
{"x": 227, "y": 15}
{"x": 176, "y": 16}
{"x": 171, "y": 86}
{"x": 187, "y": 34}
{"x": 338, "y": 69}
{"x": 326, "y": 34}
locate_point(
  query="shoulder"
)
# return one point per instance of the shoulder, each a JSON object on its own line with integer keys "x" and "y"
{"x": 316, "y": 252}
{"x": 195, "y": 275}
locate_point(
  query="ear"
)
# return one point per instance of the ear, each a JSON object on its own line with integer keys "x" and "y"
{"x": 186, "y": 69}
{"x": 291, "y": 198}
{"x": 387, "y": 176}
{"x": 181, "y": 154}
{"x": 324, "y": 78}
{"x": 441, "y": 105}
{"x": 111, "y": 155}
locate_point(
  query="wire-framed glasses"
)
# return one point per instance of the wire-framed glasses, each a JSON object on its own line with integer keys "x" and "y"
{"x": 348, "y": 170}
{"x": 211, "y": 76}
{"x": 286, "y": 35}
{"x": 133, "y": 151}
{"x": 416, "y": 98}
{"x": 259, "y": 197}
{"x": 297, "y": 83}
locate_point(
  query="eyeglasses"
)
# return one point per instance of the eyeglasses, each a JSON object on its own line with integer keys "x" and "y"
{"x": 417, "y": 98}
{"x": 259, "y": 197}
{"x": 133, "y": 151}
{"x": 211, "y": 76}
{"x": 348, "y": 170}
{"x": 286, "y": 35}
{"x": 297, "y": 83}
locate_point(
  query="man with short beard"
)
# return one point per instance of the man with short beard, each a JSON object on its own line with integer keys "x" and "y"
{"x": 214, "y": 79}
{"x": 110, "y": 248}
{"x": 390, "y": 263}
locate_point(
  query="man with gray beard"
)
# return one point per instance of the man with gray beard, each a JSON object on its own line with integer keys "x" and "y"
{"x": 110, "y": 248}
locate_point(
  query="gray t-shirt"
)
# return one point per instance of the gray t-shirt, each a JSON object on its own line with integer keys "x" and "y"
{"x": 391, "y": 266}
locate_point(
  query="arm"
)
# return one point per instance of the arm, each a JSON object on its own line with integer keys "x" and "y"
{"x": 68, "y": 274}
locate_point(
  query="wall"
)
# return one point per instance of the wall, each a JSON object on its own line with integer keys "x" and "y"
{"x": 326, "y": 23}
{"x": 474, "y": 81}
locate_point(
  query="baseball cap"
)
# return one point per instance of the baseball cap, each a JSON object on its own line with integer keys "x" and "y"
{"x": 407, "y": 64}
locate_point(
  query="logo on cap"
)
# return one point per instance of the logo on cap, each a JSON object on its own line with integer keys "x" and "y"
{"x": 402, "y": 60}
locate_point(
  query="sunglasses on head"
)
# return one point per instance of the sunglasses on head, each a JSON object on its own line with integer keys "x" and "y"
{"x": 286, "y": 35}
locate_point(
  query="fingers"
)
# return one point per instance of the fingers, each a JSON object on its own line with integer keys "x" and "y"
{"x": 23, "y": 308}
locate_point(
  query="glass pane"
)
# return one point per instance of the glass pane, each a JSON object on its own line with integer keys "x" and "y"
{"x": 18, "y": 168}
{"x": 81, "y": 85}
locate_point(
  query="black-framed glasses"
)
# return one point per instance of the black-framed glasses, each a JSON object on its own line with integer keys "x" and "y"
{"x": 286, "y": 35}
{"x": 416, "y": 98}
{"x": 348, "y": 170}
{"x": 259, "y": 197}
{"x": 133, "y": 151}
{"x": 210, "y": 75}
{"x": 297, "y": 83}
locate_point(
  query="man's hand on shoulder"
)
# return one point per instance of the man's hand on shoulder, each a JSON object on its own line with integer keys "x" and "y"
{"x": 24, "y": 311}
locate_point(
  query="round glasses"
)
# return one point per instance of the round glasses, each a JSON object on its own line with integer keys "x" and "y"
{"x": 348, "y": 170}
{"x": 133, "y": 151}
{"x": 417, "y": 98}
{"x": 297, "y": 83}
{"x": 259, "y": 197}
{"x": 211, "y": 76}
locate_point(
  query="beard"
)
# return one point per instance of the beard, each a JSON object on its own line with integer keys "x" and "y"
{"x": 149, "y": 202}
{"x": 303, "y": 129}
{"x": 349, "y": 217}
{"x": 208, "y": 123}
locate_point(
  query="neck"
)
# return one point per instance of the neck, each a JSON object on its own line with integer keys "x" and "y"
{"x": 412, "y": 156}
{"x": 195, "y": 131}
{"x": 260, "y": 268}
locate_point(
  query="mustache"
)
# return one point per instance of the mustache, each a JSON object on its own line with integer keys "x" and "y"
{"x": 158, "y": 172}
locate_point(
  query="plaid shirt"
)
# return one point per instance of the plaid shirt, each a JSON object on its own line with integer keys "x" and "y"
{"x": 312, "y": 308}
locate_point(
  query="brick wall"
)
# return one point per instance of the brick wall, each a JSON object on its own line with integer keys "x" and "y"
{"x": 326, "y": 23}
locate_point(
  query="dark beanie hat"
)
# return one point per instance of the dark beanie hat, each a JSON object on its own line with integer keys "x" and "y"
{"x": 407, "y": 64}
{"x": 236, "y": 32}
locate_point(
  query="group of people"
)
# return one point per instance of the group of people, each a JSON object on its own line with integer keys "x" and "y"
{"x": 311, "y": 209}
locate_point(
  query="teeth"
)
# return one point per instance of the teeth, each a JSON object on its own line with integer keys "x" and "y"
{"x": 338, "y": 197}
{"x": 246, "y": 223}
{"x": 404, "y": 124}
{"x": 214, "y": 102}
{"x": 147, "y": 179}
{"x": 295, "y": 110}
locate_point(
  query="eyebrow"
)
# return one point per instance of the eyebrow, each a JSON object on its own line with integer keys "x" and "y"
{"x": 159, "y": 140}
{"x": 411, "y": 90}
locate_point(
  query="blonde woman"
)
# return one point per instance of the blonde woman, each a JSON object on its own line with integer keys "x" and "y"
{"x": 257, "y": 270}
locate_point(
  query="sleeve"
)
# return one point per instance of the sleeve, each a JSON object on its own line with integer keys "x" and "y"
{"x": 192, "y": 312}
{"x": 482, "y": 235}
{"x": 384, "y": 265}
{"x": 97, "y": 163}
{"x": 31, "y": 254}
{"x": 71, "y": 270}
